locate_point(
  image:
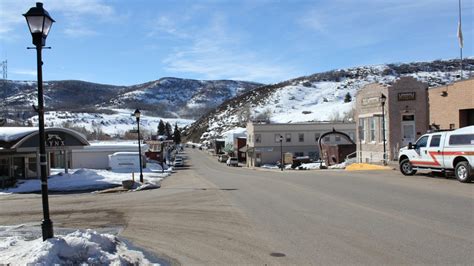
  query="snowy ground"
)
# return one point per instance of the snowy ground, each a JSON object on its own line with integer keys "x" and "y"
{"x": 23, "y": 245}
{"x": 89, "y": 179}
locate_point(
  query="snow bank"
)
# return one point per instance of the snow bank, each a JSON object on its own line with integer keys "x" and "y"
{"x": 76, "y": 248}
{"x": 85, "y": 179}
{"x": 13, "y": 133}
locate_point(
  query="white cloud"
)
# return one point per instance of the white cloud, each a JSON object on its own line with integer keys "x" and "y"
{"x": 25, "y": 72}
{"x": 216, "y": 53}
{"x": 74, "y": 11}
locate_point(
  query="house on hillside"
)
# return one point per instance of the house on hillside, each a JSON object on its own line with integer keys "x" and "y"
{"x": 298, "y": 139}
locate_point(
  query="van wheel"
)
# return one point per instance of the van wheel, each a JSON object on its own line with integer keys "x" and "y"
{"x": 406, "y": 168}
{"x": 463, "y": 172}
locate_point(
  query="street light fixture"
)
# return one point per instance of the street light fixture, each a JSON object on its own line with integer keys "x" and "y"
{"x": 281, "y": 151}
{"x": 39, "y": 22}
{"x": 383, "y": 99}
{"x": 137, "y": 116}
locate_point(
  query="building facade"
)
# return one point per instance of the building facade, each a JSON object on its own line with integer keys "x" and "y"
{"x": 19, "y": 150}
{"x": 299, "y": 139}
{"x": 405, "y": 114}
{"x": 452, "y": 106}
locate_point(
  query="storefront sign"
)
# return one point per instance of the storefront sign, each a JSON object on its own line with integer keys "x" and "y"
{"x": 372, "y": 100}
{"x": 407, "y": 96}
{"x": 54, "y": 140}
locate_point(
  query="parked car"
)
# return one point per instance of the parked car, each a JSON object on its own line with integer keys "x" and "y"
{"x": 232, "y": 161}
{"x": 222, "y": 158}
{"x": 178, "y": 161}
{"x": 441, "y": 152}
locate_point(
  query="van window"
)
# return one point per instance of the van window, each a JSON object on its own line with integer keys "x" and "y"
{"x": 435, "y": 140}
{"x": 461, "y": 139}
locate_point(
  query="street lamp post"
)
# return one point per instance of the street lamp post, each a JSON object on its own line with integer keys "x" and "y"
{"x": 137, "y": 116}
{"x": 281, "y": 152}
{"x": 383, "y": 99}
{"x": 39, "y": 22}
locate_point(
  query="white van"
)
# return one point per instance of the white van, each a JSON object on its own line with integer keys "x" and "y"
{"x": 441, "y": 152}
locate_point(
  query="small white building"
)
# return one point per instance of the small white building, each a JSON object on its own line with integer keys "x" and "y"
{"x": 96, "y": 156}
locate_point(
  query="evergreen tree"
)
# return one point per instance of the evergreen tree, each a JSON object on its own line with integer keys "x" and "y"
{"x": 168, "y": 131}
{"x": 348, "y": 98}
{"x": 176, "y": 134}
{"x": 161, "y": 128}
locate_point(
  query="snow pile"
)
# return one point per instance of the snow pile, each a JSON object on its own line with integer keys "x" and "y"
{"x": 338, "y": 166}
{"x": 310, "y": 166}
{"x": 85, "y": 179}
{"x": 76, "y": 248}
{"x": 270, "y": 166}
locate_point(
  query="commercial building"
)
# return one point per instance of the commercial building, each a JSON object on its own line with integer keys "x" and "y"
{"x": 405, "y": 112}
{"x": 299, "y": 139}
{"x": 19, "y": 151}
{"x": 452, "y": 106}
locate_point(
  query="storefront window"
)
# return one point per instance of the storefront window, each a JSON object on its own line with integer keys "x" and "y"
{"x": 4, "y": 167}
{"x": 19, "y": 167}
{"x": 362, "y": 129}
{"x": 372, "y": 128}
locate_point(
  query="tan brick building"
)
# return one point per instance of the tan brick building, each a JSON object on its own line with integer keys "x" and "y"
{"x": 452, "y": 106}
{"x": 406, "y": 117}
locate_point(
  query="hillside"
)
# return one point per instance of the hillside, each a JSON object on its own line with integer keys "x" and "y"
{"x": 318, "y": 97}
{"x": 89, "y": 104}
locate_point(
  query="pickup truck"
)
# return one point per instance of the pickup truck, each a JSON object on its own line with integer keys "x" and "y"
{"x": 441, "y": 152}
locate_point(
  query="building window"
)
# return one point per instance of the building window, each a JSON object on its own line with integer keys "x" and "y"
{"x": 327, "y": 139}
{"x": 316, "y": 136}
{"x": 258, "y": 138}
{"x": 338, "y": 138}
{"x": 362, "y": 129}
{"x": 288, "y": 137}
{"x": 277, "y": 137}
{"x": 372, "y": 128}
{"x": 299, "y": 154}
{"x": 4, "y": 167}
{"x": 301, "y": 137}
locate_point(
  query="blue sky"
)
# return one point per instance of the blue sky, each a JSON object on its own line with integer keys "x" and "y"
{"x": 125, "y": 42}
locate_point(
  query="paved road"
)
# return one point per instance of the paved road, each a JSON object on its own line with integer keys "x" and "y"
{"x": 213, "y": 214}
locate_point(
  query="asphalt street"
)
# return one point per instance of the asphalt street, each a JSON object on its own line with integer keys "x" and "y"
{"x": 209, "y": 213}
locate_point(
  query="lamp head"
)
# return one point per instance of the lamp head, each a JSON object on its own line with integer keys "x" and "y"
{"x": 39, "y": 22}
{"x": 137, "y": 114}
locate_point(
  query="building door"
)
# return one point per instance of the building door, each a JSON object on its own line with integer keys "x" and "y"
{"x": 408, "y": 129}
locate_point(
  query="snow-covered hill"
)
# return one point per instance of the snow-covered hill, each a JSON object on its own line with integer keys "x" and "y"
{"x": 91, "y": 105}
{"x": 319, "y": 97}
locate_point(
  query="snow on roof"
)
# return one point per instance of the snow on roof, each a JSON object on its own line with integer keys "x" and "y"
{"x": 236, "y": 131}
{"x": 8, "y": 134}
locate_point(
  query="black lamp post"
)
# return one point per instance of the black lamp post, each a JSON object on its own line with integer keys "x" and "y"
{"x": 281, "y": 151}
{"x": 383, "y": 99}
{"x": 39, "y": 23}
{"x": 137, "y": 116}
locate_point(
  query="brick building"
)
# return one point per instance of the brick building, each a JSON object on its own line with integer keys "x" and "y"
{"x": 452, "y": 106}
{"x": 406, "y": 117}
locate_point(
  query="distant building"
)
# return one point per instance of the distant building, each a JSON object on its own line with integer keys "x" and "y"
{"x": 452, "y": 106}
{"x": 406, "y": 117}
{"x": 299, "y": 139}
